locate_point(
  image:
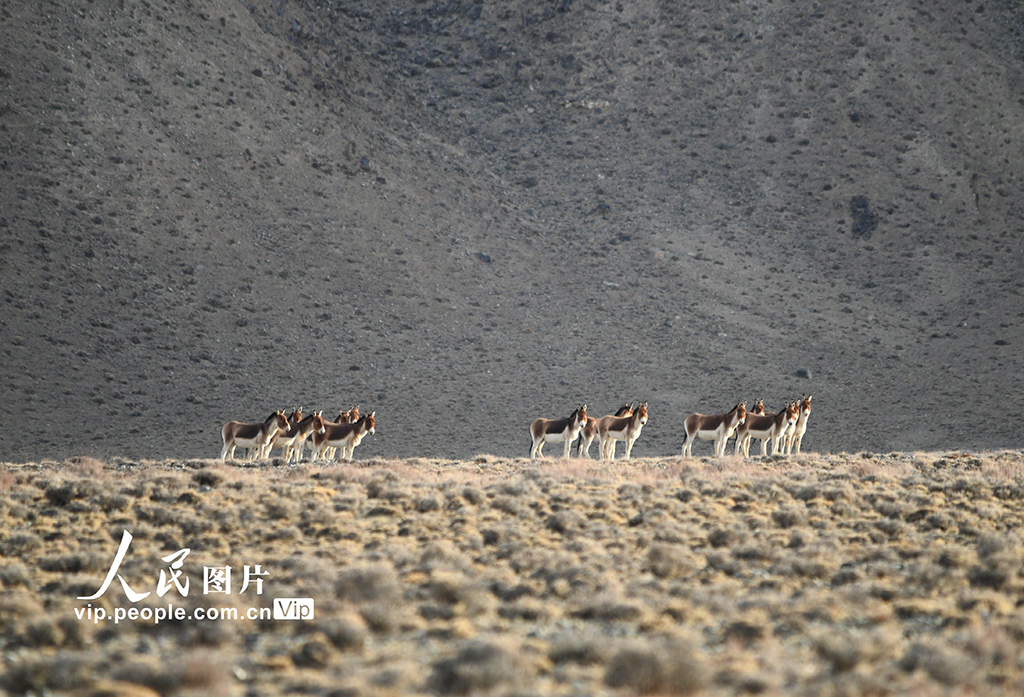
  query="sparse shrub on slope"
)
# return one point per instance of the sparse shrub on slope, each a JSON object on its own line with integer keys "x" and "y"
{"x": 670, "y": 667}
{"x": 480, "y": 666}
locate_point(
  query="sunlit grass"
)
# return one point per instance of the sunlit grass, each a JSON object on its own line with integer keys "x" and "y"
{"x": 893, "y": 573}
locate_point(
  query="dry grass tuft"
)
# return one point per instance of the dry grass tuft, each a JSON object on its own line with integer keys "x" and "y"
{"x": 347, "y": 631}
{"x": 667, "y": 667}
{"x": 368, "y": 583}
{"x": 480, "y": 666}
{"x": 196, "y": 672}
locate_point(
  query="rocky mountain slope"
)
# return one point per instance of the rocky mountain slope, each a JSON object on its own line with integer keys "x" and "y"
{"x": 466, "y": 215}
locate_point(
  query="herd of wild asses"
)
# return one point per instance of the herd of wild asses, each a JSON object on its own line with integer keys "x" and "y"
{"x": 290, "y": 433}
{"x": 784, "y": 431}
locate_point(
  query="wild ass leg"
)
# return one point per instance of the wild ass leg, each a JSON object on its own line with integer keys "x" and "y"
{"x": 720, "y": 442}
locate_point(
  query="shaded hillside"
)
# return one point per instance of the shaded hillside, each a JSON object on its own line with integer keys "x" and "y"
{"x": 465, "y": 216}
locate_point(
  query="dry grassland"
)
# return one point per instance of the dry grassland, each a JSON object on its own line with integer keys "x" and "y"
{"x": 819, "y": 575}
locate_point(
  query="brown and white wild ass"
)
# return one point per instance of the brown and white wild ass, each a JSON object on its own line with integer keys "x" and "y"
{"x": 344, "y": 437}
{"x": 291, "y": 444}
{"x": 757, "y": 409}
{"x": 279, "y": 438}
{"x": 294, "y": 418}
{"x": 557, "y": 431}
{"x": 627, "y": 428}
{"x": 255, "y": 437}
{"x": 787, "y": 433}
{"x": 344, "y": 417}
{"x": 767, "y": 427}
{"x": 589, "y": 432}
{"x": 800, "y": 428}
{"x": 718, "y": 427}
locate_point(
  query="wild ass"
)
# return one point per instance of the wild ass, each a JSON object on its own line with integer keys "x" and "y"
{"x": 627, "y": 428}
{"x": 767, "y": 427}
{"x": 718, "y": 428}
{"x": 291, "y": 445}
{"x": 557, "y": 431}
{"x": 589, "y": 432}
{"x": 275, "y": 442}
{"x": 800, "y": 428}
{"x": 253, "y": 436}
{"x": 344, "y": 417}
{"x": 344, "y": 437}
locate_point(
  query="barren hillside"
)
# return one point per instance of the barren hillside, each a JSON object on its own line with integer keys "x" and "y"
{"x": 466, "y": 215}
